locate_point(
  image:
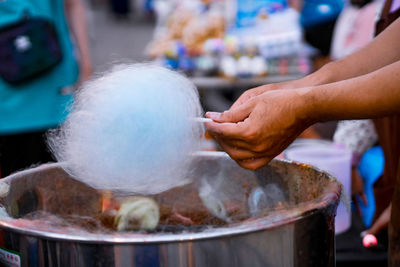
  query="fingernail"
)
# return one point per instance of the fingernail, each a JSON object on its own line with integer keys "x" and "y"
{"x": 213, "y": 115}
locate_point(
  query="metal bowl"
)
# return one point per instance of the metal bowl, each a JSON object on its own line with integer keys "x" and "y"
{"x": 301, "y": 234}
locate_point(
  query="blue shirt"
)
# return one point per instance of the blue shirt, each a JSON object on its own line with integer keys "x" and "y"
{"x": 39, "y": 104}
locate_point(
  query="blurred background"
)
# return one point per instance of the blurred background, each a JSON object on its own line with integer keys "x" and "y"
{"x": 118, "y": 36}
{"x": 230, "y": 46}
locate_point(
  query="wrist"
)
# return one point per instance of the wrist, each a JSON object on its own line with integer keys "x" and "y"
{"x": 322, "y": 76}
{"x": 306, "y": 106}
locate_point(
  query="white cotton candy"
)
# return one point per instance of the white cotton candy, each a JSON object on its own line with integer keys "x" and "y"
{"x": 131, "y": 130}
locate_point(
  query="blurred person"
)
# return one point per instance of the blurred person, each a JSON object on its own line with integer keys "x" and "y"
{"x": 38, "y": 69}
{"x": 318, "y": 18}
{"x": 354, "y": 29}
{"x": 365, "y": 84}
{"x": 380, "y": 224}
{"x": 357, "y": 136}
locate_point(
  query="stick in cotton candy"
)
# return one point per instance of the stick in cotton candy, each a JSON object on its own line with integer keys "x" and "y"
{"x": 131, "y": 130}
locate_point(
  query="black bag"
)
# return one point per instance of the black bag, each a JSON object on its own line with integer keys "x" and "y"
{"x": 28, "y": 49}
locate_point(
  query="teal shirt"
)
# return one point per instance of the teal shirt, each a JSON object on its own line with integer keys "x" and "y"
{"x": 39, "y": 104}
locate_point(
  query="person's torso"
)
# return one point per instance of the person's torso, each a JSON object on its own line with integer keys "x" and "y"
{"x": 39, "y": 103}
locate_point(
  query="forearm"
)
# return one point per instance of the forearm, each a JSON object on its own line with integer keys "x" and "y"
{"x": 76, "y": 19}
{"x": 381, "y": 51}
{"x": 372, "y": 95}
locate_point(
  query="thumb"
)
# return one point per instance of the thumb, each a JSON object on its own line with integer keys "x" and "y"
{"x": 237, "y": 114}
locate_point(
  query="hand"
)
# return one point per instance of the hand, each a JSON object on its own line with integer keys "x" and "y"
{"x": 256, "y": 131}
{"x": 381, "y": 223}
{"x": 249, "y": 94}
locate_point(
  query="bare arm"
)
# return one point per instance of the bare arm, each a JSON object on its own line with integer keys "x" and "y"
{"x": 258, "y": 130}
{"x": 381, "y": 51}
{"x": 372, "y": 95}
{"x": 76, "y": 17}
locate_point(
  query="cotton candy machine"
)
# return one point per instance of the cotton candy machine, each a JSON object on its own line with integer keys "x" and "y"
{"x": 280, "y": 215}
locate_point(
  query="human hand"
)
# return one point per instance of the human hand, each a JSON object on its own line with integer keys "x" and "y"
{"x": 381, "y": 223}
{"x": 256, "y": 131}
{"x": 249, "y": 94}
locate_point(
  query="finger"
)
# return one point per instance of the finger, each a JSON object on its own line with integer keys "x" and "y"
{"x": 237, "y": 142}
{"x": 246, "y": 96}
{"x": 233, "y": 115}
{"x": 254, "y": 164}
{"x": 225, "y": 130}
{"x": 232, "y": 141}
{"x": 230, "y": 144}
{"x": 238, "y": 153}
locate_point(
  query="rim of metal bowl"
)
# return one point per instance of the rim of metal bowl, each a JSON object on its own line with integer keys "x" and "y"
{"x": 247, "y": 226}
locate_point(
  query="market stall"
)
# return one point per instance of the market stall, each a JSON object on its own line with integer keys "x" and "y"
{"x": 230, "y": 44}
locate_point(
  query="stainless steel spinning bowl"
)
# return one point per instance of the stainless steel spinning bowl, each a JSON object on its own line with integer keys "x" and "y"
{"x": 301, "y": 235}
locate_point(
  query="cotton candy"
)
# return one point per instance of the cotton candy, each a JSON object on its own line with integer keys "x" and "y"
{"x": 131, "y": 130}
